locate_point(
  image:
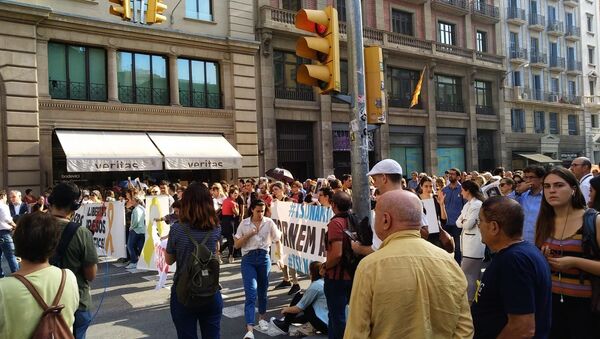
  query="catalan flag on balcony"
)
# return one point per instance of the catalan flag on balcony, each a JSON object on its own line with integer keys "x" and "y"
{"x": 417, "y": 92}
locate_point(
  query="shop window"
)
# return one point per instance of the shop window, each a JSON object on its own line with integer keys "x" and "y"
{"x": 448, "y": 93}
{"x": 286, "y": 87}
{"x": 76, "y": 72}
{"x": 142, "y": 78}
{"x": 199, "y": 9}
{"x": 450, "y": 157}
{"x": 199, "y": 83}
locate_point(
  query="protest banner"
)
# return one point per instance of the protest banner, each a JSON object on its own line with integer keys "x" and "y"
{"x": 153, "y": 254}
{"x": 303, "y": 229}
{"x": 107, "y": 222}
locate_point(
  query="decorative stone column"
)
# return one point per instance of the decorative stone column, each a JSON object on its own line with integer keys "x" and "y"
{"x": 111, "y": 75}
{"x": 173, "y": 80}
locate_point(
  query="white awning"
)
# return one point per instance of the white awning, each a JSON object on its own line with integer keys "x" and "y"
{"x": 107, "y": 151}
{"x": 188, "y": 151}
{"x": 542, "y": 159}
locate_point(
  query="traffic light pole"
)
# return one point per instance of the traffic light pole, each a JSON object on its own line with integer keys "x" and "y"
{"x": 361, "y": 202}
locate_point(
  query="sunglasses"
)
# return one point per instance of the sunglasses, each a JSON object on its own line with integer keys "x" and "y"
{"x": 518, "y": 182}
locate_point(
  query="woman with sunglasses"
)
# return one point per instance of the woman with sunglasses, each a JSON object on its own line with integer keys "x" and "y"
{"x": 559, "y": 234}
{"x": 507, "y": 186}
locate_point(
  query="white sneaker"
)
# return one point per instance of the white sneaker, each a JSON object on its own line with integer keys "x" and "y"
{"x": 131, "y": 265}
{"x": 307, "y": 329}
{"x": 263, "y": 325}
{"x": 249, "y": 335}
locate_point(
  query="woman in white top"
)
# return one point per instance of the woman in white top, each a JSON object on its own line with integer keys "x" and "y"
{"x": 255, "y": 236}
{"x": 472, "y": 248}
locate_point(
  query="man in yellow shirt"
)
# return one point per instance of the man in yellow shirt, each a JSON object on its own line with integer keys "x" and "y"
{"x": 409, "y": 288}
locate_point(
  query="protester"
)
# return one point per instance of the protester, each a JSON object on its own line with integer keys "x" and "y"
{"x": 199, "y": 221}
{"x": 559, "y": 234}
{"x": 229, "y": 212}
{"x": 325, "y": 195}
{"x": 507, "y": 186}
{"x": 35, "y": 238}
{"x": 288, "y": 274}
{"x": 255, "y": 236}
{"x": 582, "y": 168}
{"x": 413, "y": 183}
{"x": 435, "y": 210}
{"x": 472, "y": 248}
{"x": 137, "y": 232}
{"x": 7, "y": 226}
{"x": 40, "y": 205}
{"x": 308, "y": 307}
{"x": 409, "y": 288}
{"x": 297, "y": 195}
{"x": 29, "y": 198}
{"x": 531, "y": 199}
{"x": 338, "y": 281}
{"x": 16, "y": 206}
{"x": 594, "y": 199}
{"x": 80, "y": 254}
{"x": 514, "y": 296}
{"x": 347, "y": 183}
{"x": 454, "y": 202}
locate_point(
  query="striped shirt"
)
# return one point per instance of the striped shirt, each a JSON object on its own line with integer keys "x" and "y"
{"x": 571, "y": 282}
{"x": 182, "y": 247}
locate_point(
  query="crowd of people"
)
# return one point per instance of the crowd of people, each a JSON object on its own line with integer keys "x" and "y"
{"x": 503, "y": 254}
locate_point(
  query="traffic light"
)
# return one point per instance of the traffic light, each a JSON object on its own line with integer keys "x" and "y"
{"x": 375, "y": 86}
{"x": 121, "y": 8}
{"x": 154, "y": 14}
{"x": 324, "y": 49}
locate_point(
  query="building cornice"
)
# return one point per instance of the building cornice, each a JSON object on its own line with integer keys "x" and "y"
{"x": 24, "y": 13}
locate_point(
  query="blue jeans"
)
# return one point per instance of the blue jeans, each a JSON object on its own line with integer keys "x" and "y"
{"x": 256, "y": 265}
{"x": 185, "y": 320}
{"x": 7, "y": 248}
{"x": 337, "y": 293}
{"x": 135, "y": 243}
{"x": 81, "y": 324}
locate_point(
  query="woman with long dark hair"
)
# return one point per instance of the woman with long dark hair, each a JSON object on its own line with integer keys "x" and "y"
{"x": 594, "y": 201}
{"x": 473, "y": 250}
{"x": 255, "y": 236}
{"x": 559, "y": 234}
{"x": 197, "y": 219}
{"x": 434, "y": 208}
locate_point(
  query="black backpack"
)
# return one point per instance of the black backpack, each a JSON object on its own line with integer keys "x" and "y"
{"x": 198, "y": 280}
{"x": 364, "y": 234}
{"x": 591, "y": 251}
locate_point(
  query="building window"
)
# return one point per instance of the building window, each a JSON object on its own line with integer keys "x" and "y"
{"x": 199, "y": 9}
{"x": 572, "y": 119}
{"x": 594, "y": 120}
{"x": 592, "y": 87}
{"x": 344, "y": 81}
{"x": 517, "y": 78}
{"x": 539, "y": 122}
{"x": 341, "y": 9}
{"x": 517, "y": 120}
{"x": 482, "y": 41}
{"x": 591, "y": 55}
{"x": 590, "y": 23}
{"x": 76, "y": 72}
{"x": 483, "y": 96}
{"x": 142, "y": 78}
{"x": 554, "y": 125}
{"x": 403, "y": 83}
{"x": 402, "y": 22}
{"x": 292, "y": 5}
{"x": 446, "y": 33}
{"x": 199, "y": 83}
{"x": 448, "y": 93}
{"x": 286, "y": 86}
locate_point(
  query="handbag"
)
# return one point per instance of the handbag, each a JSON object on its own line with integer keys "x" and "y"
{"x": 446, "y": 240}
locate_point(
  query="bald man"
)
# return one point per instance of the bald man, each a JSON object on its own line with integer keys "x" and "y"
{"x": 409, "y": 288}
{"x": 582, "y": 168}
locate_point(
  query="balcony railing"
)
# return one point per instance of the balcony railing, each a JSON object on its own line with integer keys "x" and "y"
{"x": 537, "y": 94}
{"x": 407, "y": 40}
{"x": 514, "y": 13}
{"x": 556, "y": 26}
{"x": 518, "y": 53}
{"x": 591, "y": 99}
{"x": 449, "y": 107}
{"x": 454, "y": 50}
{"x": 538, "y": 58}
{"x": 537, "y": 20}
{"x": 571, "y": 99}
{"x": 486, "y": 110}
{"x": 497, "y": 59}
{"x": 284, "y": 16}
{"x": 295, "y": 93}
{"x": 573, "y": 65}
{"x": 557, "y": 62}
{"x": 481, "y": 8}
{"x": 144, "y": 95}
{"x": 462, "y": 4}
{"x": 77, "y": 90}
{"x": 573, "y": 31}
{"x": 199, "y": 99}
{"x": 403, "y": 102}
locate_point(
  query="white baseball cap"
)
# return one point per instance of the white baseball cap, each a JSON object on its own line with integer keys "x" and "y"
{"x": 386, "y": 166}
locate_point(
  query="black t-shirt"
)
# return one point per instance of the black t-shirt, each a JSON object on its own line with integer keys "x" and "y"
{"x": 517, "y": 281}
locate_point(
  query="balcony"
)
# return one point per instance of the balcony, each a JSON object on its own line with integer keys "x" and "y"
{"x": 537, "y": 22}
{"x": 557, "y": 64}
{"x": 73, "y": 90}
{"x": 484, "y": 13}
{"x": 573, "y": 67}
{"x": 516, "y": 16}
{"x": 456, "y": 7}
{"x": 537, "y": 94}
{"x": 571, "y": 99}
{"x": 294, "y": 93}
{"x": 454, "y": 50}
{"x": 553, "y": 97}
{"x": 485, "y": 110}
{"x": 591, "y": 100}
{"x": 449, "y": 107}
{"x": 573, "y": 33}
{"x": 518, "y": 93}
{"x": 199, "y": 99}
{"x": 403, "y": 102}
{"x": 571, "y": 3}
{"x": 556, "y": 28}
{"x": 518, "y": 55}
{"x": 143, "y": 95}
{"x": 538, "y": 60}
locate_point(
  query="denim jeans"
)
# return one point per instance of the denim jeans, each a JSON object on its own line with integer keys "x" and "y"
{"x": 7, "y": 249}
{"x": 337, "y": 293}
{"x": 186, "y": 320}
{"x": 256, "y": 265}
{"x": 135, "y": 243}
{"x": 81, "y": 324}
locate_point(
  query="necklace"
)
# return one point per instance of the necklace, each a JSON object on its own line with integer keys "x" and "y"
{"x": 560, "y": 245}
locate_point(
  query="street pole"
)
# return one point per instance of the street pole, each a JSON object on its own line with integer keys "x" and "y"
{"x": 361, "y": 204}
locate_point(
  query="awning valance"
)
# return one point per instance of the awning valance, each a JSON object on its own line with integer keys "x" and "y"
{"x": 540, "y": 158}
{"x": 189, "y": 151}
{"x": 108, "y": 151}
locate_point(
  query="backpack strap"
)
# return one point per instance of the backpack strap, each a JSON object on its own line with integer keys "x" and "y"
{"x": 65, "y": 239}
{"x": 35, "y": 293}
{"x": 589, "y": 241}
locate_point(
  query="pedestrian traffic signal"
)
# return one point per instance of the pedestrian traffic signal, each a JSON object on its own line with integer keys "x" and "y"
{"x": 323, "y": 49}
{"x": 375, "y": 86}
{"x": 154, "y": 14}
{"x": 121, "y": 8}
